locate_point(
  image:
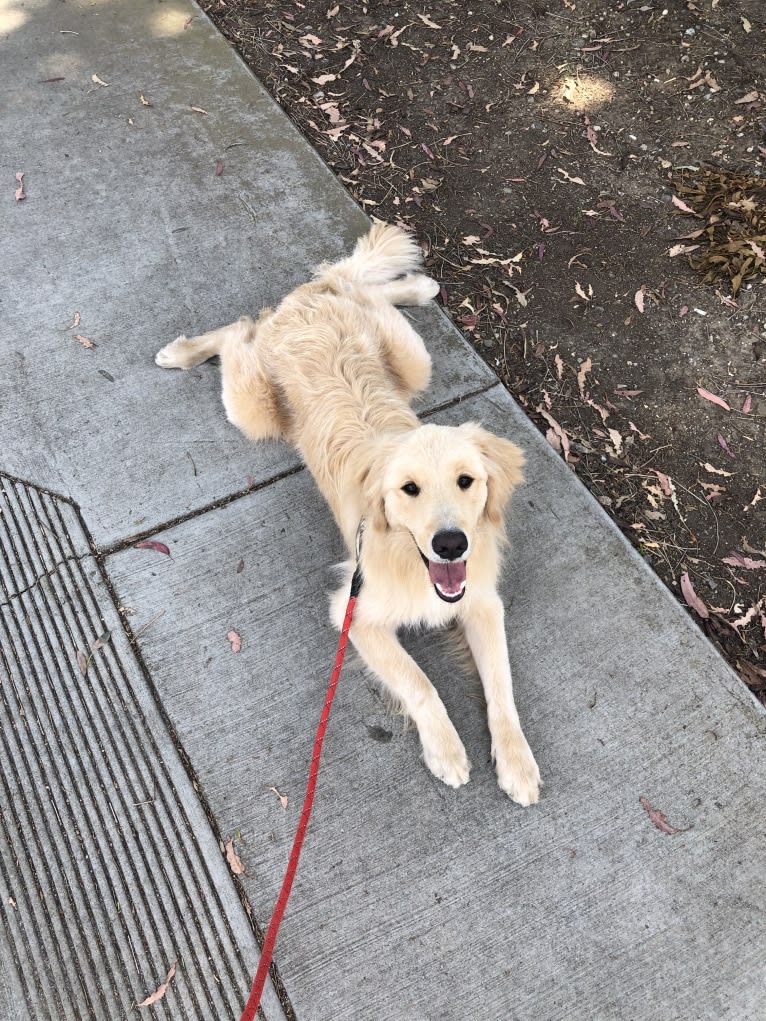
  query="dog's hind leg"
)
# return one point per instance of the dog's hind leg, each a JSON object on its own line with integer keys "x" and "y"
{"x": 186, "y": 352}
{"x": 412, "y": 289}
{"x": 405, "y": 353}
{"x": 249, "y": 397}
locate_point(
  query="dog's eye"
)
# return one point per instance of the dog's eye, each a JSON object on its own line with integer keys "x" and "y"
{"x": 411, "y": 488}
{"x": 464, "y": 481}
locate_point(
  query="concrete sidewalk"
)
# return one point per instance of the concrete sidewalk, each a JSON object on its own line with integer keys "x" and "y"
{"x": 124, "y": 768}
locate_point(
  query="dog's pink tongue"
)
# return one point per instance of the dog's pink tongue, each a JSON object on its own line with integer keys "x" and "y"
{"x": 449, "y": 577}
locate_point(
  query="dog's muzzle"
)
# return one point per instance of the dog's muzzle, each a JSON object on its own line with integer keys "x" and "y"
{"x": 448, "y": 573}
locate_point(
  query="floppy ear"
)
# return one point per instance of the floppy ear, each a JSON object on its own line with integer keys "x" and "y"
{"x": 373, "y": 457}
{"x": 504, "y": 462}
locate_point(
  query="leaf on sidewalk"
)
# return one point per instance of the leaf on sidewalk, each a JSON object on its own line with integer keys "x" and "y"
{"x": 234, "y": 860}
{"x": 160, "y": 991}
{"x": 158, "y": 547}
{"x": 660, "y": 820}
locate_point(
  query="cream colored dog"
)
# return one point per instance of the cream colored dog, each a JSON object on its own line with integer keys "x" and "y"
{"x": 332, "y": 370}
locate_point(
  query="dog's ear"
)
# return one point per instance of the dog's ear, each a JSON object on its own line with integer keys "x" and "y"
{"x": 372, "y": 459}
{"x": 504, "y": 462}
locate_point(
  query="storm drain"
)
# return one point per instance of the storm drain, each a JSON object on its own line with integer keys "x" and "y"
{"x": 109, "y": 871}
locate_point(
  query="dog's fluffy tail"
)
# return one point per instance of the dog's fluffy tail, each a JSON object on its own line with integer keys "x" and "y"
{"x": 384, "y": 254}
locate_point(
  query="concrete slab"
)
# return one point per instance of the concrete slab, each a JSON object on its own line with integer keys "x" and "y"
{"x": 109, "y": 870}
{"x": 127, "y": 223}
{"x": 419, "y": 902}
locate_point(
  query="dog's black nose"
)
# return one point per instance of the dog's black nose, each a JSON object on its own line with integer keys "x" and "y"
{"x": 449, "y": 544}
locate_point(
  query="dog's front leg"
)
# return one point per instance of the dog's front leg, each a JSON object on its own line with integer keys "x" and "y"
{"x": 443, "y": 750}
{"x": 517, "y": 771}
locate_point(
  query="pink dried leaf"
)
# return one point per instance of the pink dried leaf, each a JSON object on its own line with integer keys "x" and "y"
{"x": 160, "y": 991}
{"x": 152, "y": 544}
{"x": 691, "y": 597}
{"x": 736, "y": 559}
{"x": 85, "y": 341}
{"x": 748, "y": 403}
{"x": 660, "y": 820}
{"x": 218, "y": 168}
{"x": 83, "y": 662}
{"x": 725, "y": 446}
{"x": 236, "y": 641}
{"x": 638, "y": 299}
{"x": 19, "y": 193}
{"x": 713, "y": 398}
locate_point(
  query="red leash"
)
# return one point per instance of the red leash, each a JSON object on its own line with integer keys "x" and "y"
{"x": 259, "y": 981}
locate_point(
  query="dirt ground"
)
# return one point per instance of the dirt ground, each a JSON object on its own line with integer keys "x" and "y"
{"x": 589, "y": 184}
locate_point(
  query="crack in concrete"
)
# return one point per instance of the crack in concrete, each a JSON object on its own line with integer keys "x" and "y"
{"x": 51, "y": 572}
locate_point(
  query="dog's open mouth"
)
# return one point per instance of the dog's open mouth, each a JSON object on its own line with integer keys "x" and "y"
{"x": 448, "y": 578}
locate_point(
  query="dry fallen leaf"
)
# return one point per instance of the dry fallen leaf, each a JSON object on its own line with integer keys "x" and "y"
{"x": 712, "y": 398}
{"x": 158, "y": 547}
{"x": 101, "y": 641}
{"x": 95, "y": 78}
{"x": 282, "y": 797}
{"x": 160, "y": 991}
{"x": 144, "y": 100}
{"x": 568, "y": 177}
{"x": 427, "y": 21}
{"x": 83, "y": 662}
{"x": 198, "y": 109}
{"x": 691, "y": 597}
{"x": 681, "y": 250}
{"x": 19, "y": 193}
{"x": 585, "y": 368}
{"x": 747, "y": 405}
{"x": 236, "y": 641}
{"x": 717, "y": 471}
{"x": 556, "y": 435}
{"x": 725, "y": 446}
{"x": 660, "y": 820}
{"x": 682, "y": 205}
{"x": 75, "y": 322}
{"x": 638, "y": 298}
{"x": 736, "y": 559}
{"x": 85, "y": 341}
{"x": 234, "y": 860}
{"x": 751, "y": 97}
{"x": 218, "y": 168}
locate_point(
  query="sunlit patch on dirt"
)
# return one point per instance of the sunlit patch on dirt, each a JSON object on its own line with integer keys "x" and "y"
{"x": 582, "y": 92}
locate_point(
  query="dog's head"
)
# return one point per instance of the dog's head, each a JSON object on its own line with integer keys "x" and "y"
{"x": 442, "y": 485}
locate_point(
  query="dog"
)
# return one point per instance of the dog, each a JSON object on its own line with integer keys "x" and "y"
{"x": 333, "y": 369}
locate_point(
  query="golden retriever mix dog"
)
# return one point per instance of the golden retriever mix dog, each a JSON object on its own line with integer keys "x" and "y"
{"x": 332, "y": 370}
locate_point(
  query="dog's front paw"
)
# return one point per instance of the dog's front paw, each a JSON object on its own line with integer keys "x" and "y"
{"x": 172, "y": 355}
{"x": 517, "y": 772}
{"x": 445, "y": 756}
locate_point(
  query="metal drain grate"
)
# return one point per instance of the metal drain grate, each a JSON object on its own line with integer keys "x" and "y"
{"x": 109, "y": 871}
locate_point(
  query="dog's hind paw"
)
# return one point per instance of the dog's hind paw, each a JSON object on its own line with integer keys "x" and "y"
{"x": 178, "y": 354}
